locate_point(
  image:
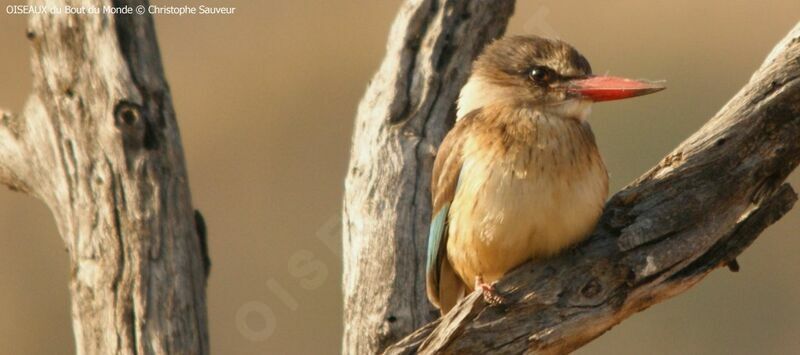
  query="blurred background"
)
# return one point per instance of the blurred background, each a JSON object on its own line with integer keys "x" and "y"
{"x": 266, "y": 100}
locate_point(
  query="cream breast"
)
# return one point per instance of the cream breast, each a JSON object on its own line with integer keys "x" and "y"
{"x": 528, "y": 190}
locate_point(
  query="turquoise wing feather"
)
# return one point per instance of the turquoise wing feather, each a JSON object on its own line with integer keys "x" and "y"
{"x": 443, "y": 285}
{"x": 437, "y": 244}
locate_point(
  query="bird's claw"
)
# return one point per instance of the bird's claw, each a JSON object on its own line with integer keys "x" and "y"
{"x": 490, "y": 294}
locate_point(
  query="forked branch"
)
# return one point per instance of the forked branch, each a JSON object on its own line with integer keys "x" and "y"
{"x": 98, "y": 142}
{"x": 699, "y": 208}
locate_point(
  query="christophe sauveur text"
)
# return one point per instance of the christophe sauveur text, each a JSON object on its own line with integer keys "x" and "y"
{"x": 123, "y": 10}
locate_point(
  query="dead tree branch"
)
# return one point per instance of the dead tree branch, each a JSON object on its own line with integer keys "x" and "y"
{"x": 98, "y": 142}
{"x": 404, "y": 115}
{"x": 698, "y": 209}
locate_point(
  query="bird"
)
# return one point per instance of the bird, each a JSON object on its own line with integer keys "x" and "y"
{"x": 519, "y": 176}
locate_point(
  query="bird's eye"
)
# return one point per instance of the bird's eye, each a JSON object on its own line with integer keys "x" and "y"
{"x": 540, "y": 75}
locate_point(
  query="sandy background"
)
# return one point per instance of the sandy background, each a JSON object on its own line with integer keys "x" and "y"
{"x": 266, "y": 100}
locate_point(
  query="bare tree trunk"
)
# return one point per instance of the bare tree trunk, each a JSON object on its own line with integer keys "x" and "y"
{"x": 404, "y": 115}
{"x": 98, "y": 142}
{"x": 697, "y": 210}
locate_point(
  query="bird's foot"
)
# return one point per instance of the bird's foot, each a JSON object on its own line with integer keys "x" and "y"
{"x": 490, "y": 294}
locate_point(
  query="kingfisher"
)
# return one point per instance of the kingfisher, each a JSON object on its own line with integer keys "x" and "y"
{"x": 519, "y": 175}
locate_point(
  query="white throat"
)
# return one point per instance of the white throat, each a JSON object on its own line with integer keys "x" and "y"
{"x": 477, "y": 93}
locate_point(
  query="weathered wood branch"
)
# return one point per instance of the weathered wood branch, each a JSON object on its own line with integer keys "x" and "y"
{"x": 405, "y": 113}
{"x": 98, "y": 142}
{"x": 695, "y": 211}
{"x": 698, "y": 209}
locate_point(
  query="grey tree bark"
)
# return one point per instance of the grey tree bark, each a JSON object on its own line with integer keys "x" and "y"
{"x": 699, "y": 208}
{"x": 98, "y": 142}
{"x": 403, "y": 116}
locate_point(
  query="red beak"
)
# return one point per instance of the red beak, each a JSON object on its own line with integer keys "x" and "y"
{"x": 607, "y": 88}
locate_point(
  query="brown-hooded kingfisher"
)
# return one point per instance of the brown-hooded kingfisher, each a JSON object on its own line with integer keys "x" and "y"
{"x": 519, "y": 176}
